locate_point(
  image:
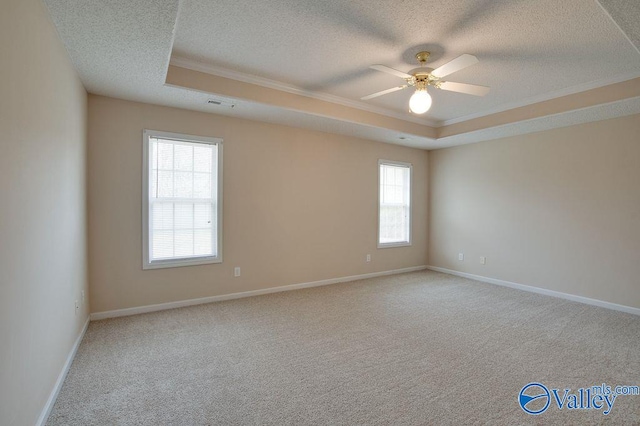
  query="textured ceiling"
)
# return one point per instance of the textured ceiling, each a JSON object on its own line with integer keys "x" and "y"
{"x": 117, "y": 56}
{"x": 120, "y": 48}
{"x": 528, "y": 51}
{"x": 526, "y": 48}
{"x": 626, "y": 15}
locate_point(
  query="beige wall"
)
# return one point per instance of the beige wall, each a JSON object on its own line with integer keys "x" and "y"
{"x": 42, "y": 209}
{"x": 299, "y": 206}
{"x": 558, "y": 209}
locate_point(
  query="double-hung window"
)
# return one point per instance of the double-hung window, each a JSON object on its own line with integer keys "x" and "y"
{"x": 182, "y": 200}
{"x": 394, "y": 204}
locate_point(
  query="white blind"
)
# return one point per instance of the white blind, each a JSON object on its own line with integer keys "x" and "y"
{"x": 183, "y": 197}
{"x": 395, "y": 203}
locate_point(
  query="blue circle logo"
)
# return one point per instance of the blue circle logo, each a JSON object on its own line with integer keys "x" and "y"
{"x": 532, "y": 397}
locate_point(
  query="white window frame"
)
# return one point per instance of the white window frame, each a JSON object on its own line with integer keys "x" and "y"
{"x": 187, "y": 261}
{"x": 410, "y": 167}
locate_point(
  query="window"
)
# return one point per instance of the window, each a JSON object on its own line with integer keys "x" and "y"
{"x": 182, "y": 201}
{"x": 394, "y": 208}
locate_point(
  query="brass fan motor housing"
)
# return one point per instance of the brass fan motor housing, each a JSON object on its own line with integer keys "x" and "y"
{"x": 421, "y": 77}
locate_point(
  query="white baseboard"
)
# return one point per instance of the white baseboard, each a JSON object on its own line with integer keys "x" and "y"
{"x": 44, "y": 415}
{"x": 531, "y": 289}
{"x": 182, "y": 303}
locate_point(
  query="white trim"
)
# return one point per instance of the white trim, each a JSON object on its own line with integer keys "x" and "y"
{"x": 397, "y": 243}
{"x": 191, "y": 302}
{"x": 544, "y": 97}
{"x": 276, "y": 85}
{"x": 44, "y": 415}
{"x": 146, "y": 233}
{"x": 392, "y": 245}
{"x": 609, "y": 110}
{"x": 252, "y": 79}
{"x": 538, "y": 290}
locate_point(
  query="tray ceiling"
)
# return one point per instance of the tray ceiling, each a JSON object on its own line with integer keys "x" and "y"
{"x": 528, "y": 51}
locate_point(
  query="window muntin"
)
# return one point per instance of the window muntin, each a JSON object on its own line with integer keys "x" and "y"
{"x": 394, "y": 206}
{"x": 182, "y": 206}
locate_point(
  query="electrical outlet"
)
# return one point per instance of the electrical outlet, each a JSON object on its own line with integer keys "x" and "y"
{"x": 82, "y": 293}
{"x": 236, "y": 271}
{"x": 483, "y": 260}
{"x": 77, "y": 307}
{"x": 368, "y": 258}
{"x": 460, "y": 256}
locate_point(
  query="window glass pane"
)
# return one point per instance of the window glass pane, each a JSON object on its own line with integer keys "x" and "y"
{"x": 153, "y": 183}
{"x": 162, "y": 216}
{"x": 202, "y": 242}
{"x": 183, "y": 157}
{"x": 395, "y": 206}
{"x": 162, "y": 244}
{"x": 165, "y": 184}
{"x": 165, "y": 156}
{"x": 184, "y": 216}
{"x": 202, "y": 159}
{"x": 183, "y": 242}
{"x": 184, "y": 176}
{"x": 202, "y": 216}
{"x": 183, "y": 185}
{"x": 202, "y": 185}
{"x": 154, "y": 154}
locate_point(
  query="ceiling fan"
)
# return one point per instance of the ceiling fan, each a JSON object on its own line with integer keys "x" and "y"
{"x": 423, "y": 76}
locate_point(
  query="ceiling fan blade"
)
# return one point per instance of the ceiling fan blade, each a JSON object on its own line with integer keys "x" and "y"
{"x": 469, "y": 89}
{"x": 455, "y": 65}
{"x": 391, "y": 71}
{"x": 384, "y": 92}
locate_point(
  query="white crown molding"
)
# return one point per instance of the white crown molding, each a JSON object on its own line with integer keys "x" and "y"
{"x": 252, "y": 79}
{"x": 276, "y": 85}
{"x": 192, "y": 302}
{"x": 539, "y": 290}
{"x": 46, "y": 410}
{"x": 589, "y": 114}
{"x": 545, "y": 97}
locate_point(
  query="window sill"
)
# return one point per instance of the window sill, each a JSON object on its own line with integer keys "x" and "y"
{"x": 177, "y": 263}
{"x": 392, "y": 245}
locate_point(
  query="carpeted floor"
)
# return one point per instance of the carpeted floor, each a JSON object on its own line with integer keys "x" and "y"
{"x": 417, "y": 348}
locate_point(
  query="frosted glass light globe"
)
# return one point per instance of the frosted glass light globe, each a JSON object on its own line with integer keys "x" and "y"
{"x": 420, "y": 102}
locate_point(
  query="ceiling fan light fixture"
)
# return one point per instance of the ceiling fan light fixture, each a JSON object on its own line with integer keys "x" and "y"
{"x": 423, "y": 76}
{"x": 420, "y": 101}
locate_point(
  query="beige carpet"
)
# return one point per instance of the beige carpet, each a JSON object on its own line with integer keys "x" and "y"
{"x": 417, "y": 348}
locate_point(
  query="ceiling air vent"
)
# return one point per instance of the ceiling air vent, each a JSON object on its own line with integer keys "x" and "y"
{"x": 220, "y": 103}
